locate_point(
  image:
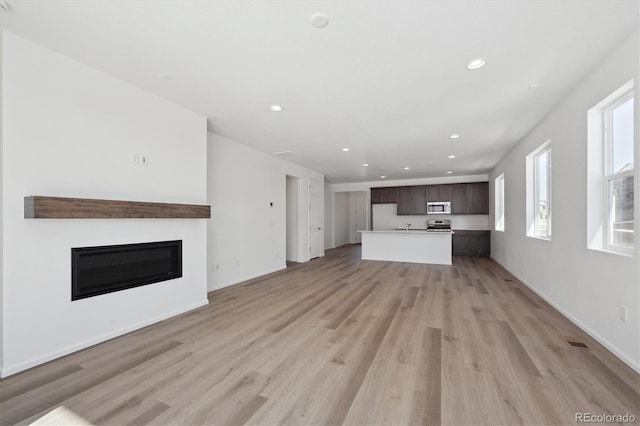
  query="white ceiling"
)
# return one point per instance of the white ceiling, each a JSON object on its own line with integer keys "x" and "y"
{"x": 387, "y": 79}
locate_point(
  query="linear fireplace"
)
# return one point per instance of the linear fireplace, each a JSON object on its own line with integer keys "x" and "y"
{"x": 105, "y": 269}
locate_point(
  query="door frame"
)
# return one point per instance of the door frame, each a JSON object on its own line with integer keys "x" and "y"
{"x": 295, "y": 206}
{"x": 319, "y": 210}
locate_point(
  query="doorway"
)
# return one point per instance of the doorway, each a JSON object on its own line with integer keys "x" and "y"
{"x": 316, "y": 200}
{"x": 357, "y": 216}
{"x": 350, "y": 216}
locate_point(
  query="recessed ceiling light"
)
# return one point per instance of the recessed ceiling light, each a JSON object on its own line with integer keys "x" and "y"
{"x": 476, "y": 64}
{"x": 165, "y": 76}
{"x": 345, "y": 149}
{"x": 449, "y": 172}
{"x": 275, "y": 108}
{"x": 407, "y": 168}
{"x": 452, "y": 156}
{"x": 365, "y": 165}
{"x": 319, "y": 20}
{"x": 535, "y": 85}
{"x": 454, "y": 136}
{"x": 271, "y": 132}
{"x": 383, "y": 177}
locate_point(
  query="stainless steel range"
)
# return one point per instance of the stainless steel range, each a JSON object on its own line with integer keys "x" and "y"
{"x": 438, "y": 225}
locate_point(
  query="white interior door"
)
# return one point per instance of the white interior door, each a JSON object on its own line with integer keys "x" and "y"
{"x": 316, "y": 196}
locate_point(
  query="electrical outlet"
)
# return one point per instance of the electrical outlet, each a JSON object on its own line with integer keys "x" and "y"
{"x": 237, "y": 262}
{"x": 522, "y": 260}
{"x": 135, "y": 159}
{"x": 624, "y": 313}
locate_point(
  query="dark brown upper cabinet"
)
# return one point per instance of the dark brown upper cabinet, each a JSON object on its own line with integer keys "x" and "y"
{"x": 385, "y": 195}
{"x": 470, "y": 198}
{"x": 438, "y": 193}
{"x": 390, "y": 195}
{"x": 478, "y": 198}
{"x": 412, "y": 200}
{"x": 465, "y": 198}
{"x": 459, "y": 198}
{"x": 405, "y": 200}
{"x": 377, "y": 195}
{"x": 445, "y": 192}
{"x": 419, "y": 200}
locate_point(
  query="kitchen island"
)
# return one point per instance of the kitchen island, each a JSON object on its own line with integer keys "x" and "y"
{"x": 413, "y": 246}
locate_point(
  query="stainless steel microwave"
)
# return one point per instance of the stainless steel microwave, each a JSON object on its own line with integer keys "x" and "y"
{"x": 439, "y": 207}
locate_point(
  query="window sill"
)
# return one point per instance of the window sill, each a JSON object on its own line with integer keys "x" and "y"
{"x": 609, "y": 251}
{"x": 540, "y": 238}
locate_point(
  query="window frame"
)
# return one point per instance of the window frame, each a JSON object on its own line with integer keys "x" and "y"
{"x": 533, "y": 191}
{"x": 612, "y": 102}
{"x": 536, "y": 185}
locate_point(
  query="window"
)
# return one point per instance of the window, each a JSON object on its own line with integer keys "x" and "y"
{"x": 619, "y": 170}
{"x": 539, "y": 192}
{"x": 499, "y": 203}
{"x": 611, "y": 172}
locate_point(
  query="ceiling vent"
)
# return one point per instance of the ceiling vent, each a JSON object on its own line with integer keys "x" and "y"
{"x": 285, "y": 154}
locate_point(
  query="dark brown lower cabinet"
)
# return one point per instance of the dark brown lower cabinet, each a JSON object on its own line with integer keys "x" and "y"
{"x": 460, "y": 243}
{"x": 471, "y": 243}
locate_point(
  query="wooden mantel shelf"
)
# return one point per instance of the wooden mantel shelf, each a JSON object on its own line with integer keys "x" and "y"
{"x": 37, "y": 207}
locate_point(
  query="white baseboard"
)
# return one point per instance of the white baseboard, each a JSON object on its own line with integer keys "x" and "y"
{"x": 246, "y": 278}
{"x": 16, "y": 368}
{"x": 604, "y": 342}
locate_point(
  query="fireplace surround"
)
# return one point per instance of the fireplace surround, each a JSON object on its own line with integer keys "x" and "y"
{"x": 106, "y": 269}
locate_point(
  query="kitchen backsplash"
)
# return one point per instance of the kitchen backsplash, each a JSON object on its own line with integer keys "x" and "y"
{"x": 385, "y": 217}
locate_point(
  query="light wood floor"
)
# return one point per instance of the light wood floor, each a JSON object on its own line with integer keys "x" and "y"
{"x": 340, "y": 340}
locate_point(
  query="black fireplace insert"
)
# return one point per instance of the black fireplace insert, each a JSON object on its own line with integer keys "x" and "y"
{"x": 105, "y": 269}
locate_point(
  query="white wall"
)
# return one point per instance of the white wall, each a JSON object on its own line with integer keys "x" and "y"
{"x": 588, "y": 286}
{"x": 69, "y": 130}
{"x": 341, "y": 216}
{"x": 385, "y": 217}
{"x": 247, "y": 237}
{"x": 292, "y": 217}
